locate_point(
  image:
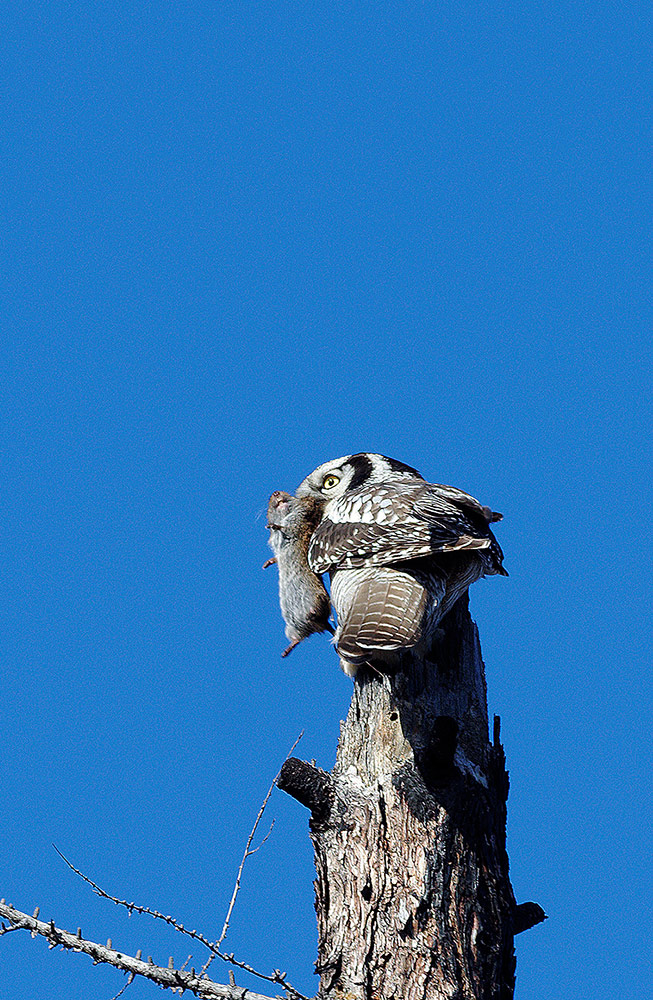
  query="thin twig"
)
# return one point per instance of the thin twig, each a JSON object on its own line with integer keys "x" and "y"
{"x": 276, "y": 977}
{"x": 255, "y": 849}
{"x": 248, "y": 853}
{"x": 130, "y": 980}
{"x": 213, "y": 946}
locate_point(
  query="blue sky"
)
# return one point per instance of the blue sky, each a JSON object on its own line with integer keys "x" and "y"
{"x": 240, "y": 240}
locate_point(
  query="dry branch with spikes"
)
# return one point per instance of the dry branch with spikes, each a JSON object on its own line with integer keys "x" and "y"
{"x": 213, "y": 947}
{"x": 167, "y": 977}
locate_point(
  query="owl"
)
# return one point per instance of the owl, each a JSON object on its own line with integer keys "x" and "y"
{"x": 305, "y": 604}
{"x": 399, "y": 552}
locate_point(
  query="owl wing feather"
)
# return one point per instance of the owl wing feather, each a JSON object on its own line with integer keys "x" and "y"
{"x": 399, "y": 522}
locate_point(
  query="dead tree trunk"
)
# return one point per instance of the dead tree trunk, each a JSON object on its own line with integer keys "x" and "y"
{"x": 413, "y": 895}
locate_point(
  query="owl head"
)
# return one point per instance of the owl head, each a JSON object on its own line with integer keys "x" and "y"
{"x": 341, "y": 475}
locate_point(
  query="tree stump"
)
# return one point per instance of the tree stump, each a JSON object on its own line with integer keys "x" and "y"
{"x": 413, "y": 895}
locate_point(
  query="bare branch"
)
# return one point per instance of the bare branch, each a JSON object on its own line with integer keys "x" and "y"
{"x": 276, "y": 977}
{"x": 7, "y": 930}
{"x": 266, "y": 837}
{"x": 168, "y": 978}
{"x": 213, "y": 946}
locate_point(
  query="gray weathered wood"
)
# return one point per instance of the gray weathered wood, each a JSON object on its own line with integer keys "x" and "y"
{"x": 169, "y": 978}
{"x": 413, "y": 895}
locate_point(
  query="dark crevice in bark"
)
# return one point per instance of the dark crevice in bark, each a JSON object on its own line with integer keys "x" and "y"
{"x": 436, "y": 760}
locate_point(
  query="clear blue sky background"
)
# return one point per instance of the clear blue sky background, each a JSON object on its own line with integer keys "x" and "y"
{"x": 242, "y": 239}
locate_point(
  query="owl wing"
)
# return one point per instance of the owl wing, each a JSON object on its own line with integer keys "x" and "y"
{"x": 390, "y": 523}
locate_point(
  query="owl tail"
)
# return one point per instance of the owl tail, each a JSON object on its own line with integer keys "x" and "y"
{"x": 385, "y": 613}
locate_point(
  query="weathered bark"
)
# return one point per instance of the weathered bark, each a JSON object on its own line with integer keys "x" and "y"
{"x": 413, "y": 895}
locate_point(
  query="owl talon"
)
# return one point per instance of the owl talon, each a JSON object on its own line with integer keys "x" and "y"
{"x": 290, "y": 648}
{"x": 269, "y": 562}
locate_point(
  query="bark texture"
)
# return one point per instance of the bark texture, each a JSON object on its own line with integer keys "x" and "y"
{"x": 413, "y": 895}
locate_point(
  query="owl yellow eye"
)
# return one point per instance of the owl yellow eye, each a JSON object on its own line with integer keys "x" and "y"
{"x": 329, "y": 482}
